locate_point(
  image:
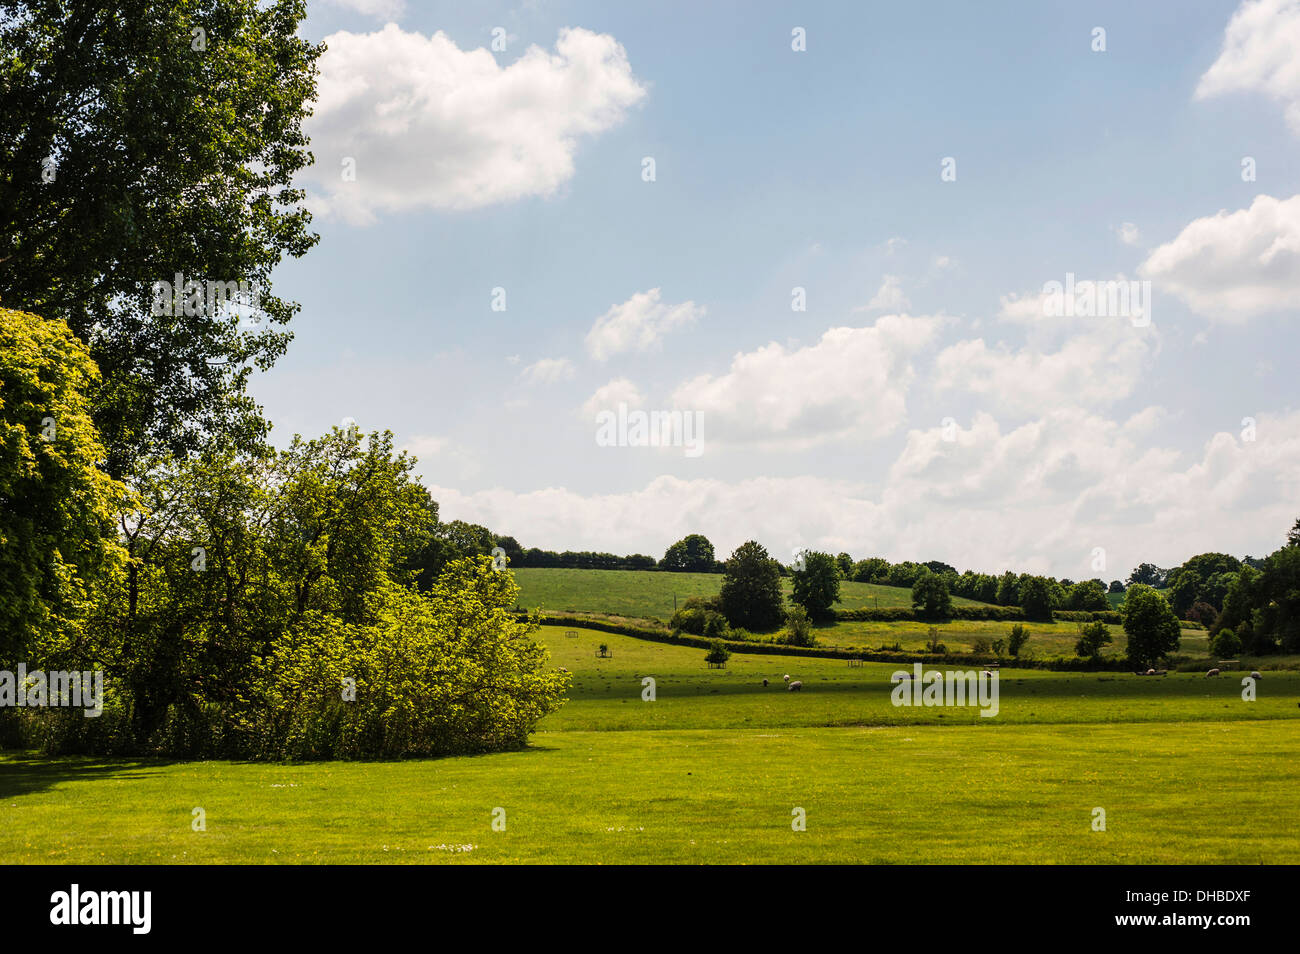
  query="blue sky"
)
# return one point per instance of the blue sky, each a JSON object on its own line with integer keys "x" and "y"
{"x": 922, "y": 406}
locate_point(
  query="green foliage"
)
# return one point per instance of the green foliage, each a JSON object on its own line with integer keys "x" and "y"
{"x": 873, "y": 570}
{"x": 751, "y": 589}
{"x": 57, "y": 508}
{"x": 445, "y": 542}
{"x": 1149, "y": 574}
{"x": 1087, "y": 595}
{"x": 933, "y": 645}
{"x": 1149, "y": 623}
{"x": 165, "y": 160}
{"x": 1035, "y": 598}
{"x": 930, "y": 597}
{"x": 1008, "y": 593}
{"x": 1225, "y": 644}
{"x": 1092, "y": 637}
{"x": 718, "y": 652}
{"x": 817, "y": 585}
{"x": 1203, "y": 578}
{"x": 798, "y": 628}
{"x": 452, "y": 672}
{"x": 1019, "y": 636}
{"x": 715, "y": 626}
{"x": 258, "y": 584}
{"x": 691, "y": 554}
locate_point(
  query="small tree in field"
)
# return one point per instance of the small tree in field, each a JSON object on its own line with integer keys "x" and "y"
{"x": 930, "y": 597}
{"x": 1150, "y": 624}
{"x": 1019, "y": 636}
{"x": 718, "y": 653}
{"x": 1036, "y": 598}
{"x": 817, "y": 585}
{"x": 797, "y": 627}
{"x": 751, "y": 589}
{"x": 1092, "y": 638}
{"x": 1225, "y": 645}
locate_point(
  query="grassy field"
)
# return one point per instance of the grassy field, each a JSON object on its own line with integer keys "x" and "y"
{"x": 649, "y": 594}
{"x": 1046, "y": 639}
{"x": 713, "y": 768}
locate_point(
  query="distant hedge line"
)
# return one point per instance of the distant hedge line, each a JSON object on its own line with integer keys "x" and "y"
{"x": 1108, "y": 664}
{"x": 896, "y": 614}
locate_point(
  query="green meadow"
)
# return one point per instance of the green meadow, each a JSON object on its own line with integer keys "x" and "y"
{"x": 650, "y": 594}
{"x": 715, "y": 768}
{"x": 647, "y": 595}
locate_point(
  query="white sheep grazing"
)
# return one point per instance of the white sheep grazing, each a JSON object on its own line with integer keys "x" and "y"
{"x": 786, "y": 677}
{"x": 1151, "y": 672}
{"x": 1212, "y": 672}
{"x": 796, "y": 686}
{"x": 989, "y": 673}
{"x": 1256, "y": 675}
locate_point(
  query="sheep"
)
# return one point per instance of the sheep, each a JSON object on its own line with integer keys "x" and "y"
{"x": 1212, "y": 672}
{"x": 786, "y": 677}
{"x": 1151, "y": 672}
{"x": 796, "y": 686}
{"x": 989, "y": 673}
{"x": 764, "y": 683}
{"x": 1255, "y": 675}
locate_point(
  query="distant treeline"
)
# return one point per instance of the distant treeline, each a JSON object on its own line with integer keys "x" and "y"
{"x": 1249, "y": 605}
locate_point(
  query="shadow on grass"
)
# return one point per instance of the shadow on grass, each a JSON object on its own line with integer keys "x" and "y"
{"x": 27, "y": 773}
{"x": 23, "y": 773}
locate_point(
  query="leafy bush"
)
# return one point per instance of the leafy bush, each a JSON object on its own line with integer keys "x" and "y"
{"x": 982, "y": 645}
{"x": 798, "y": 629}
{"x": 1092, "y": 638}
{"x": 1225, "y": 644}
{"x": 715, "y": 626}
{"x": 1019, "y": 636}
{"x": 718, "y": 653}
{"x": 930, "y": 597}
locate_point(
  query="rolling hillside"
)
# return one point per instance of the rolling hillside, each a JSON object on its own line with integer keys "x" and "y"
{"x": 650, "y": 594}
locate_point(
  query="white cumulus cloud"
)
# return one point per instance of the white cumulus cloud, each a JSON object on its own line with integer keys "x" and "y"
{"x": 429, "y": 125}
{"x": 852, "y": 382}
{"x": 1234, "y": 265}
{"x": 1261, "y": 54}
{"x": 638, "y": 324}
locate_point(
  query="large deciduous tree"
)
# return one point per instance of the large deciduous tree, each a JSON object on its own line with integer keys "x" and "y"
{"x": 57, "y": 508}
{"x": 1149, "y": 623}
{"x": 692, "y": 553}
{"x": 930, "y": 597}
{"x": 817, "y": 585}
{"x": 140, "y": 140}
{"x": 751, "y": 588}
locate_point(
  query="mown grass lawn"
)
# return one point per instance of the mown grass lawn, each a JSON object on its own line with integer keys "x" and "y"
{"x": 712, "y": 769}
{"x": 1186, "y": 793}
